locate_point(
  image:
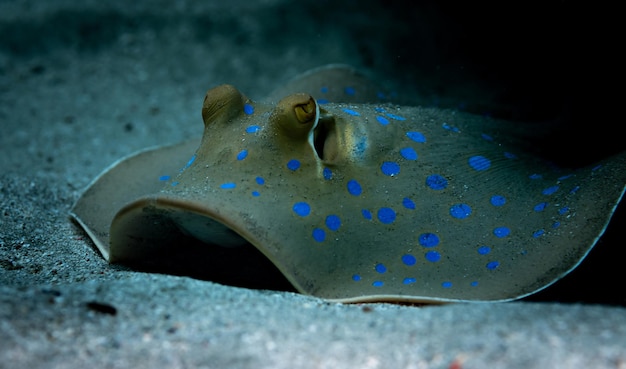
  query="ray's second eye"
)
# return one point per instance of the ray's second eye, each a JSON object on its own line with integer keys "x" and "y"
{"x": 306, "y": 113}
{"x": 295, "y": 116}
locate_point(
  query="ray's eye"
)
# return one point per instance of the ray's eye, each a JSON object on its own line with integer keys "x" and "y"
{"x": 222, "y": 103}
{"x": 306, "y": 113}
{"x": 296, "y": 116}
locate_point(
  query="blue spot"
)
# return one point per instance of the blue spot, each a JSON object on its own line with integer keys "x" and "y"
{"x": 460, "y": 211}
{"x": 293, "y": 164}
{"x": 563, "y": 210}
{"x": 550, "y": 190}
{"x": 351, "y": 112}
{"x": 193, "y": 158}
{"x": 556, "y": 224}
{"x": 446, "y": 284}
{"x": 382, "y": 120}
{"x": 396, "y": 117}
{"x": 562, "y": 178}
{"x": 328, "y": 174}
{"x": 356, "y": 277}
{"x": 319, "y": 235}
{"x": 366, "y": 214}
{"x": 253, "y": 129}
{"x": 390, "y": 168}
{"x": 379, "y": 109}
{"x": 535, "y": 176}
{"x": 248, "y": 109}
{"x": 324, "y": 90}
{"x": 509, "y": 155}
{"x": 497, "y": 200}
{"x": 538, "y": 233}
{"x": 484, "y": 250}
{"x": 474, "y": 283}
{"x": 378, "y": 283}
{"x": 492, "y": 265}
{"x": 596, "y": 167}
{"x": 386, "y": 215}
{"x": 408, "y": 203}
{"x": 416, "y": 136}
{"x": 408, "y": 153}
{"x": 540, "y": 207}
{"x": 242, "y": 155}
{"x": 350, "y": 91}
{"x": 408, "y": 280}
{"x": 574, "y": 190}
{"x": 428, "y": 239}
{"x": 449, "y": 127}
{"x": 486, "y": 137}
{"x": 260, "y": 180}
{"x": 174, "y": 183}
{"x": 436, "y": 182}
{"x": 333, "y": 222}
{"x": 354, "y": 187}
{"x": 228, "y": 185}
{"x": 302, "y": 209}
{"x": 322, "y": 101}
{"x": 501, "y": 232}
{"x": 432, "y": 256}
{"x": 479, "y": 163}
{"x": 380, "y": 268}
{"x": 408, "y": 259}
{"x": 164, "y": 178}
{"x": 256, "y": 193}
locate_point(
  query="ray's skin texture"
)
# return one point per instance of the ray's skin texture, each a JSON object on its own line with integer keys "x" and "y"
{"x": 355, "y": 202}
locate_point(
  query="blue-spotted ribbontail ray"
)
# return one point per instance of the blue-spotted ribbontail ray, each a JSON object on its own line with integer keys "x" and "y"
{"x": 354, "y": 201}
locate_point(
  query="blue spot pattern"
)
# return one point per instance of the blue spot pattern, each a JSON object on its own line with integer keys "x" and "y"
{"x": 460, "y": 211}
{"x": 293, "y": 165}
{"x": 408, "y": 153}
{"x": 390, "y": 168}
{"x": 479, "y": 163}
{"x": 395, "y": 117}
{"x": 354, "y": 187}
{"x": 416, "y": 136}
{"x": 242, "y": 155}
{"x": 409, "y": 259}
{"x": 433, "y": 246}
{"x": 382, "y": 120}
{"x": 253, "y": 129}
{"x": 436, "y": 182}
{"x": 333, "y": 222}
{"x": 191, "y": 160}
{"x": 328, "y": 174}
{"x": 354, "y": 113}
{"x": 319, "y": 235}
{"x": 408, "y": 203}
{"x": 386, "y": 215}
{"x": 497, "y": 200}
{"x": 366, "y": 214}
{"x": 302, "y": 209}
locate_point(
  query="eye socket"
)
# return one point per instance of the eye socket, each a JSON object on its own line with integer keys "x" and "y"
{"x": 222, "y": 103}
{"x": 296, "y": 116}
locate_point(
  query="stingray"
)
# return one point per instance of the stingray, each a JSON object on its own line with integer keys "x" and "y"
{"x": 353, "y": 198}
